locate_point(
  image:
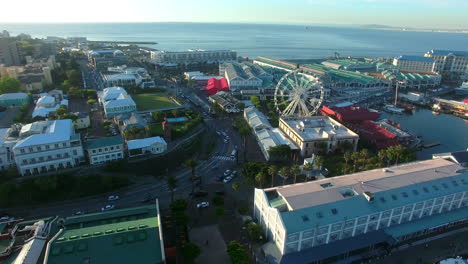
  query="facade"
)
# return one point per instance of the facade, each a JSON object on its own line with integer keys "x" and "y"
{"x": 82, "y": 121}
{"x": 103, "y": 150}
{"x": 414, "y": 63}
{"x": 169, "y": 58}
{"x": 14, "y": 99}
{"x": 412, "y": 81}
{"x": 9, "y": 54}
{"x": 450, "y": 61}
{"x": 316, "y": 133}
{"x": 47, "y": 146}
{"x": 32, "y": 77}
{"x": 116, "y": 101}
{"x": 266, "y": 136}
{"x": 349, "y": 217}
{"x": 101, "y": 59}
{"x": 8, "y": 139}
{"x": 127, "y": 77}
{"x": 130, "y": 235}
{"x": 146, "y": 146}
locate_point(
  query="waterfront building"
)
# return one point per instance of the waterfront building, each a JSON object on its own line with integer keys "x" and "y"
{"x": 411, "y": 80}
{"x": 246, "y": 78}
{"x": 103, "y": 150}
{"x": 102, "y": 59}
{"x": 315, "y": 133}
{"x": 350, "y": 217}
{"x": 14, "y": 99}
{"x": 9, "y": 54}
{"x": 116, "y": 101}
{"x": 127, "y": 77}
{"x": 350, "y": 64}
{"x": 130, "y": 235}
{"x": 193, "y": 56}
{"x": 226, "y": 101}
{"x": 275, "y": 65}
{"x": 450, "y": 61}
{"x": 266, "y": 136}
{"x": 414, "y": 63}
{"x": 47, "y": 146}
{"x": 146, "y": 146}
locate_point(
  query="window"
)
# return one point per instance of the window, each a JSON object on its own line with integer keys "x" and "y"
{"x": 435, "y": 187}
{"x": 425, "y": 190}
{"x": 404, "y": 194}
{"x": 64, "y": 144}
{"x": 334, "y": 211}
{"x": 106, "y": 149}
{"x": 119, "y": 154}
{"x": 117, "y": 147}
{"x": 22, "y": 150}
{"x": 56, "y": 145}
{"x": 415, "y": 192}
{"x": 319, "y": 214}
{"x": 445, "y": 185}
{"x": 39, "y": 148}
{"x": 30, "y": 149}
{"x": 94, "y": 151}
{"x": 394, "y": 197}
{"x": 305, "y": 218}
{"x": 100, "y": 150}
{"x": 111, "y": 148}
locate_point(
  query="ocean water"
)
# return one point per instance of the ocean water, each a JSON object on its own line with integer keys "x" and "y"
{"x": 278, "y": 41}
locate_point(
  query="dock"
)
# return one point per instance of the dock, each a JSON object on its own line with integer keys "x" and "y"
{"x": 430, "y": 144}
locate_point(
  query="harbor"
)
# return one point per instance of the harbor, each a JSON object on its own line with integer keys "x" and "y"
{"x": 438, "y": 132}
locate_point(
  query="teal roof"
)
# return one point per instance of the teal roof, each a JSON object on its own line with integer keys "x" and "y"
{"x": 359, "y": 206}
{"x": 428, "y": 222}
{"x": 344, "y": 75}
{"x": 286, "y": 65}
{"x": 104, "y": 142}
{"x": 121, "y": 236}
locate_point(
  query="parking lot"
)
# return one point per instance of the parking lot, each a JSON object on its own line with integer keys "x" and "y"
{"x": 6, "y": 118}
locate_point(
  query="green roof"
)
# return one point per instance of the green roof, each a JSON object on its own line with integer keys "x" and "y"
{"x": 121, "y": 236}
{"x": 344, "y": 75}
{"x": 277, "y": 63}
{"x": 104, "y": 142}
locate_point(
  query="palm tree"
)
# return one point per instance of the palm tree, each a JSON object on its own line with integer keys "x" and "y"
{"x": 192, "y": 165}
{"x": 172, "y": 183}
{"x": 284, "y": 173}
{"x": 318, "y": 161}
{"x": 272, "y": 171}
{"x": 347, "y": 157}
{"x": 399, "y": 151}
{"x": 260, "y": 178}
{"x": 295, "y": 170}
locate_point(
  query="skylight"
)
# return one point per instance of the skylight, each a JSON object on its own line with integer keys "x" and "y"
{"x": 334, "y": 211}
{"x": 305, "y": 218}
{"x": 327, "y": 185}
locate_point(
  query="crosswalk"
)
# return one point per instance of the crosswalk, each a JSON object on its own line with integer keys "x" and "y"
{"x": 224, "y": 158}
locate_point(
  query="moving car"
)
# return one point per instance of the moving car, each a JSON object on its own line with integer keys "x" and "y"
{"x": 227, "y": 179}
{"x": 203, "y": 204}
{"x": 107, "y": 207}
{"x": 113, "y": 198}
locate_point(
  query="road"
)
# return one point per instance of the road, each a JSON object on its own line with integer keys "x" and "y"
{"x": 135, "y": 194}
{"x": 91, "y": 78}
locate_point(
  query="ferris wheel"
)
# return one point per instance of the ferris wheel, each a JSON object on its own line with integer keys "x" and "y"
{"x": 299, "y": 95}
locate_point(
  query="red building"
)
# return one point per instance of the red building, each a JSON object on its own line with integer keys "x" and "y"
{"x": 350, "y": 113}
{"x": 214, "y": 85}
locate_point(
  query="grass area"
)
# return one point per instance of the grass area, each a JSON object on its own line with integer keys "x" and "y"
{"x": 148, "y": 101}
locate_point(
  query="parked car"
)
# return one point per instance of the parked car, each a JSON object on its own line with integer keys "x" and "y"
{"x": 6, "y": 218}
{"x": 226, "y": 141}
{"x": 227, "y": 179}
{"x": 234, "y": 174}
{"x": 227, "y": 172}
{"x": 113, "y": 198}
{"x": 107, "y": 207}
{"x": 203, "y": 204}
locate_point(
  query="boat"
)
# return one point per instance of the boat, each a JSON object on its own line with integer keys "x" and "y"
{"x": 462, "y": 90}
{"x": 393, "y": 109}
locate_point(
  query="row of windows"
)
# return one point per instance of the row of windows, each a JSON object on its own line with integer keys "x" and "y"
{"x": 107, "y": 157}
{"x": 44, "y": 147}
{"x": 49, "y": 157}
{"x": 99, "y": 150}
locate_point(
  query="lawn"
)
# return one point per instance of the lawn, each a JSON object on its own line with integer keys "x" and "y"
{"x": 152, "y": 101}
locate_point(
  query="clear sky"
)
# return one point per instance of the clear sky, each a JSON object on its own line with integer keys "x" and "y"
{"x": 408, "y": 13}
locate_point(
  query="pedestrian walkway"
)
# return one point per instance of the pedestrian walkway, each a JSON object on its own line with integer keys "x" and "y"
{"x": 224, "y": 158}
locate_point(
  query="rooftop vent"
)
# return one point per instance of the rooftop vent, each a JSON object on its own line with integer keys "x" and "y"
{"x": 348, "y": 192}
{"x": 327, "y": 185}
{"x": 334, "y": 211}
{"x": 305, "y": 218}
{"x": 386, "y": 170}
{"x": 369, "y": 196}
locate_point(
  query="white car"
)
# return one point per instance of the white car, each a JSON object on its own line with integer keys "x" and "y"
{"x": 227, "y": 172}
{"x": 113, "y": 198}
{"x": 225, "y": 141}
{"x": 203, "y": 204}
{"x": 234, "y": 173}
{"x": 107, "y": 207}
{"x": 6, "y": 218}
{"x": 227, "y": 179}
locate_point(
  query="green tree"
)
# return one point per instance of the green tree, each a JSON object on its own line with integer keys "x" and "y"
{"x": 237, "y": 253}
{"x": 295, "y": 170}
{"x": 158, "y": 116}
{"x": 260, "y": 178}
{"x": 284, "y": 173}
{"x": 255, "y": 231}
{"x": 192, "y": 165}
{"x": 318, "y": 161}
{"x": 9, "y": 85}
{"x": 74, "y": 77}
{"x": 235, "y": 186}
{"x": 91, "y": 101}
{"x": 347, "y": 157}
{"x": 255, "y": 101}
{"x": 172, "y": 184}
{"x": 244, "y": 132}
{"x": 190, "y": 252}
{"x": 272, "y": 171}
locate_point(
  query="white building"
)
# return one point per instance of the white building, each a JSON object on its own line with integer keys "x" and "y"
{"x": 127, "y": 77}
{"x": 47, "y": 104}
{"x": 152, "y": 145}
{"x": 349, "y": 217}
{"x": 82, "y": 121}
{"x": 116, "y": 101}
{"x": 192, "y": 56}
{"x": 266, "y": 136}
{"x": 414, "y": 63}
{"x": 105, "y": 149}
{"x": 47, "y": 146}
{"x": 308, "y": 134}
{"x": 7, "y": 142}
{"x": 450, "y": 61}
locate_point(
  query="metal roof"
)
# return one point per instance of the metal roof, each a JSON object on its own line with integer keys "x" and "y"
{"x": 145, "y": 142}
{"x": 104, "y": 142}
{"x": 415, "y": 58}
{"x": 55, "y": 131}
{"x": 12, "y": 96}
